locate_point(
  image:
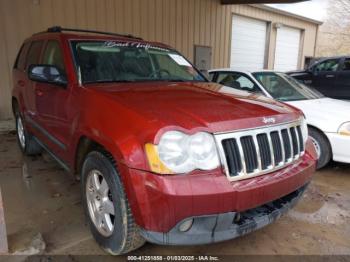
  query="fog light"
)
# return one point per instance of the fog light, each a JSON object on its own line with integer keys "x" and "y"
{"x": 237, "y": 218}
{"x": 186, "y": 225}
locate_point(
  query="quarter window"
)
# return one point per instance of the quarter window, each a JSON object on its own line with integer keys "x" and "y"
{"x": 21, "y": 58}
{"x": 53, "y": 55}
{"x": 34, "y": 53}
{"x": 211, "y": 76}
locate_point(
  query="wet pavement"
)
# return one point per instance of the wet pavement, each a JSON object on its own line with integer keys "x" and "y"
{"x": 43, "y": 211}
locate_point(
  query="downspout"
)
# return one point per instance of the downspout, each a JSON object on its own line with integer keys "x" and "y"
{"x": 316, "y": 38}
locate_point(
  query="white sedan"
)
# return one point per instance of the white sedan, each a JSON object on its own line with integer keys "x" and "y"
{"x": 328, "y": 119}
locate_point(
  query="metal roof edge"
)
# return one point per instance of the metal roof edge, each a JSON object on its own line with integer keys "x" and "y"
{"x": 282, "y": 12}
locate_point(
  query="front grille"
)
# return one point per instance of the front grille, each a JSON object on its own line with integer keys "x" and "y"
{"x": 232, "y": 154}
{"x": 264, "y": 149}
{"x": 255, "y": 152}
{"x": 249, "y": 153}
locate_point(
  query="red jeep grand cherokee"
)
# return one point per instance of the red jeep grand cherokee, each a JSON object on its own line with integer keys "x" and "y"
{"x": 163, "y": 155}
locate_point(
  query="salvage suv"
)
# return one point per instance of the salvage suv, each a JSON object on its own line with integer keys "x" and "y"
{"x": 163, "y": 155}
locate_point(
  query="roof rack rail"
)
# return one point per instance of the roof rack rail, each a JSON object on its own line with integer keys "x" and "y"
{"x": 59, "y": 29}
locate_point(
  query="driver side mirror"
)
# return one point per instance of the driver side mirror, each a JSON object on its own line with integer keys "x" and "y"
{"x": 313, "y": 70}
{"x": 47, "y": 74}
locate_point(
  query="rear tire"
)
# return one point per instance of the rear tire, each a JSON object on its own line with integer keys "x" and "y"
{"x": 322, "y": 146}
{"x": 27, "y": 143}
{"x": 106, "y": 205}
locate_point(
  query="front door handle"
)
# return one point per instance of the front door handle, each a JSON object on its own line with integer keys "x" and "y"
{"x": 330, "y": 76}
{"x": 39, "y": 92}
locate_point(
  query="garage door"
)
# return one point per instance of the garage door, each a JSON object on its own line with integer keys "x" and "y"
{"x": 248, "y": 43}
{"x": 287, "y": 49}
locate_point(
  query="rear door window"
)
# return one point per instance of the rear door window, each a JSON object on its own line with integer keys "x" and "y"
{"x": 346, "y": 65}
{"x": 34, "y": 53}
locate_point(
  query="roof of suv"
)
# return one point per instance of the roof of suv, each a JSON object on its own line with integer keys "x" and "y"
{"x": 81, "y": 34}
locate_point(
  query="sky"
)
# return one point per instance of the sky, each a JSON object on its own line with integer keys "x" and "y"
{"x": 315, "y": 9}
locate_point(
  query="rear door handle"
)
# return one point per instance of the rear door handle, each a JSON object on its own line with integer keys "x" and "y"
{"x": 330, "y": 76}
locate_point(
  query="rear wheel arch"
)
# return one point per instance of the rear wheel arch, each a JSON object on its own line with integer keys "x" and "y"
{"x": 26, "y": 141}
{"x": 15, "y": 105}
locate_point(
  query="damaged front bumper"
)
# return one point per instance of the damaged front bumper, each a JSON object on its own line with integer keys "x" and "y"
{"x": 225, "y": 226}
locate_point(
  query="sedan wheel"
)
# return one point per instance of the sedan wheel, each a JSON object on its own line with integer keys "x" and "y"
{"x": 317, "y": 147}
{"x": 322, "y": 147}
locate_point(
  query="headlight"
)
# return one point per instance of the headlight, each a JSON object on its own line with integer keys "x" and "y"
{"x": 344, "y": 129}
{"x": 304, "y": 129}
{"x": 181, "y": 153}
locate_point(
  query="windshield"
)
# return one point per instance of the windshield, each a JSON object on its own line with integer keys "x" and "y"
{"x": 285, "y": 88}
{"x": 111, "y": 61}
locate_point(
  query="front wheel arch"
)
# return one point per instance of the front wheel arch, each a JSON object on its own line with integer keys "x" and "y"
{"x": 131, "y": 237}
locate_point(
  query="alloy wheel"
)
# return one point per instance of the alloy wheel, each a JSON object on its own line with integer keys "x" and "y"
{"x": 20, "y": 132}
{"x": 100, "y": 203}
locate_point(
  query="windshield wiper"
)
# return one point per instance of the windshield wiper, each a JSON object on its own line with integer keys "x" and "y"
{"x": 139, "y": 81}
{"x": 182, "y": 80}
{"x": 108, "y": 81}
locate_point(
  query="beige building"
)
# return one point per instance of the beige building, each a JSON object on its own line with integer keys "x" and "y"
{"x": 207, "y": 32}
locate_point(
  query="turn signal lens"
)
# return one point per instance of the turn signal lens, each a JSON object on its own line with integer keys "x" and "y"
{"x": 344, "y": 129}
{"x": 154, "y": 162}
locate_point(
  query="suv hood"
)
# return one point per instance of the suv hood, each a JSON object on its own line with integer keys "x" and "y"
{"x": 188, "y": 105}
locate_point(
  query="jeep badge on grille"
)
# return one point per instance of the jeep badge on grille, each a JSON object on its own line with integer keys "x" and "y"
{"x": 269, "y": 120}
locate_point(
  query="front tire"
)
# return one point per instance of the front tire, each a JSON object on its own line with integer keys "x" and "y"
{"x": 106, "y": 206}
{"x": 322, "y": 146}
